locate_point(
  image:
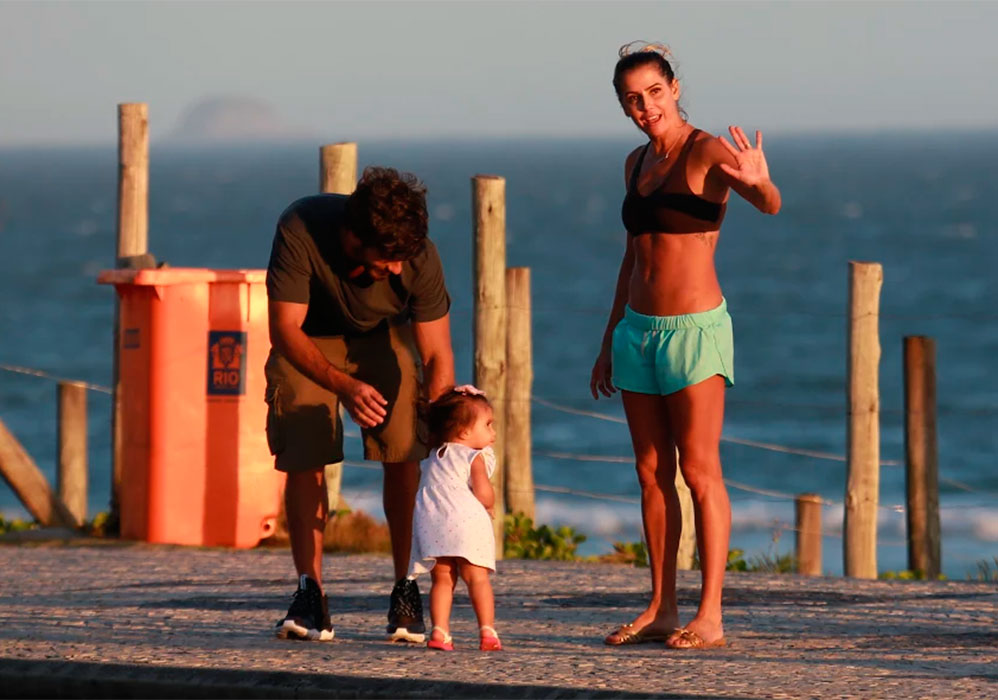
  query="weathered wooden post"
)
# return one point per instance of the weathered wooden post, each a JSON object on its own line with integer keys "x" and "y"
{"x": 338, "y": 167}
{"x": 133, "y": 240}
{"x": 133, "y": 179}
{"x": 27, "y": 481}
{"x": 807, "y": 508}
{"x": 863, "y": 425}
{"x": 488, "y": 205}
{"x": 337, "y": 175}
{"x": 921, "y": 456}
{"x": 71, "y": 475}
{"x": 688, "y": 536}
{"x": 519, "y": 382}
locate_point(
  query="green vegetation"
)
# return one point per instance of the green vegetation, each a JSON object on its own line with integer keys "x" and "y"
{"x": 16, "y": 525}
{"x": 770, "y": 562}
{"x": 736, "y": 561}
{"x": 773, "y": 563}
{"x": 633, "y": 553}
{"x": 986, "y": 571}
{"x": 907, "y": 575}
{"x": 102, "y": 525}
{"x": 524, "y": 541}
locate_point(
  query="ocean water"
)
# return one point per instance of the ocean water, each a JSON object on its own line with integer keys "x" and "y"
{"x": 924, "y": 205}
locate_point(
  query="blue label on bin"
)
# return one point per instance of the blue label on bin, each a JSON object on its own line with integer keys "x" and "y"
{"x": 226, "y": 363}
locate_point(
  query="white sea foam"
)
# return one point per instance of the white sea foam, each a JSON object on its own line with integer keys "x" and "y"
{"x": 591, "y": 518}
{"x": 981, "y": 523}
{"x": 367, "y": 501}
{"x": 622, "y": 520}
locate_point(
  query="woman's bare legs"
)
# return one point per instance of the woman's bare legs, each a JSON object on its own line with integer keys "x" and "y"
{"x": 655, "y": 456}
{"x": 444, "y": 578}
{"x": 696, "y": 415}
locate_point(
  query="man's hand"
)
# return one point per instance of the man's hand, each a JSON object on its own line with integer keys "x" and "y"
{"x": 363, "y": 402}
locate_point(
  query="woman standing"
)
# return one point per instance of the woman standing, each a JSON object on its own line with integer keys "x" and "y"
{"x": 668, "y": 342}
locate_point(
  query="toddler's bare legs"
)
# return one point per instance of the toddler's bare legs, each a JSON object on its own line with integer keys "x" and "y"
{"x": 480, "y": 591}
{"x": 444, "y": 580}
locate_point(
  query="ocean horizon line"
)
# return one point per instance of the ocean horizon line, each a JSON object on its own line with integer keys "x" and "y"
{"x": 933, "y": 133}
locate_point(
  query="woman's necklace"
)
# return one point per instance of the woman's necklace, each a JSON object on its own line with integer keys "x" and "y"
{"x": 668, "y": 149}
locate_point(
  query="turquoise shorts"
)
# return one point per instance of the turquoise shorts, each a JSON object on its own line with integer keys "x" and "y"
{"x": 663, "y": 354}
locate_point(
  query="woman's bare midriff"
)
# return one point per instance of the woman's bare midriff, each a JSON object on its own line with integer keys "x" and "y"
{"x": 674, "y": 274}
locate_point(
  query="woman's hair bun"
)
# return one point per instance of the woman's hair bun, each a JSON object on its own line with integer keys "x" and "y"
{"x": 642, "y": 46}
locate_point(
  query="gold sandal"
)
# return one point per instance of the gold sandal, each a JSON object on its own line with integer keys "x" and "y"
{"x": 692, "y": 640}
{"x": 629, "y": 634}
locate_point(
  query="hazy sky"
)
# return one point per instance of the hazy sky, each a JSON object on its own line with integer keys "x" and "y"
{"x": 341, "y": 70}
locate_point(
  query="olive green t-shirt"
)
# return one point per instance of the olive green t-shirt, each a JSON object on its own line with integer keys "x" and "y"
{"x": 308, "y": 266}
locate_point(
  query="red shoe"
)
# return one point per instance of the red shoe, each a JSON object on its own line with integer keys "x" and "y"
{"x": 445, "y": 644}
{"x": 489, "y": 639}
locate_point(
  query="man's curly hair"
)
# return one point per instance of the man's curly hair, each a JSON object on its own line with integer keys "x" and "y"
{"x": 387, "y": 212}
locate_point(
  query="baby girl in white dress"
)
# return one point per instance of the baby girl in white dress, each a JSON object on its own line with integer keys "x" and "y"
{"x": 452, "y": 523}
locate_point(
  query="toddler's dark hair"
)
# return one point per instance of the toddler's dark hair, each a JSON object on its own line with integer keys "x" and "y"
{"x": 452, "y": 412}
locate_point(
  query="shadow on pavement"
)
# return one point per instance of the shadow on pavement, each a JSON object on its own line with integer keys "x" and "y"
{"x": 67, "y": 679}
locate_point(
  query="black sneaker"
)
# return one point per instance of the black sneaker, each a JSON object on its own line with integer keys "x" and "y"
{"x": 405, "y": 613}
{"x": 308, "y": 616}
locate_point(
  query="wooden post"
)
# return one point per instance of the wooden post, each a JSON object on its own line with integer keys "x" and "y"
{"x": 71, "y": 476}
{"x": 338, "y": 168}
{"x": 28, "y": 482}
{"x": 863, "y": 426}
{"x": 133, "y": 179}
{"x": 133, "y": 240}
{"x": 337, "y": 175}
{"x": 921, "y": 455}
{"x": 519, "y": 383}
{"x": 808, "y": 530}
{"x": 488, "y": 205}
{"x": 688, "y": 535}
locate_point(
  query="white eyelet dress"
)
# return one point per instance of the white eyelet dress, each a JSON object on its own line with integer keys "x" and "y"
{"x": 448, "y": 520}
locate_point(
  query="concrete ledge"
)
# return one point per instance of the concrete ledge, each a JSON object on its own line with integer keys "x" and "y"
{"x": 67, "y": 679}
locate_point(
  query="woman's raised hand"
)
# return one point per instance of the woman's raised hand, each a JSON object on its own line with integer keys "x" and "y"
{"x": 601, "y": 381}
{"x": 751, "y": 165}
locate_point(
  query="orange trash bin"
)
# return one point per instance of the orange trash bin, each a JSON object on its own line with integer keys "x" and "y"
{"x": 195, "y": 469}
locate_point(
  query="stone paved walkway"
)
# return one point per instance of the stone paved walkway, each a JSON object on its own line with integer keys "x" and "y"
{"x": 147, "y": 621}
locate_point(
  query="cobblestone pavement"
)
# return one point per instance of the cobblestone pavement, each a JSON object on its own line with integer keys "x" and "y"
{"x": 142, "y": 620}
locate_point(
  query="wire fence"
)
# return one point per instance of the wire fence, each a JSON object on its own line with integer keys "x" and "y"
{"x": 47, "y": 375}
{"x": 612, "y": 459}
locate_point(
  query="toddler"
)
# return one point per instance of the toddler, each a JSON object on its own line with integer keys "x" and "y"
{"x": 452, "y": 522}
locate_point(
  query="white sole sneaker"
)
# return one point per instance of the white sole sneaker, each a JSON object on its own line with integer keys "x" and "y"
{"x": 401, "y": 634}
{"x": 290, "y": 629}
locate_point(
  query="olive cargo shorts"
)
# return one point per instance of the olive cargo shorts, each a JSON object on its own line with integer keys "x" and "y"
{"x": 304, "y": 429}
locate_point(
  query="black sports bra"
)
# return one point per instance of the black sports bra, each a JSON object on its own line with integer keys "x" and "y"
{"x": 670, "y": 212}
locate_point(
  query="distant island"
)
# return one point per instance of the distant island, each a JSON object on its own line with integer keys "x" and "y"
{"x": 233, "y": 119}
